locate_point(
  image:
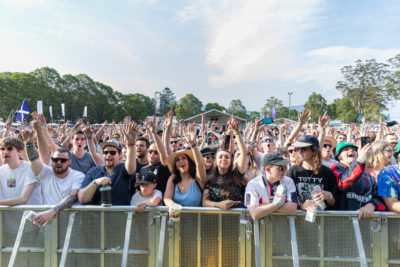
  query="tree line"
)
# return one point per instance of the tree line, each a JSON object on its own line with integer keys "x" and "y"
{"x": 367, "y": 88}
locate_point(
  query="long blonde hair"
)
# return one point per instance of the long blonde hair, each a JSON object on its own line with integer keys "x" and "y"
{"x": 376, "y": 159}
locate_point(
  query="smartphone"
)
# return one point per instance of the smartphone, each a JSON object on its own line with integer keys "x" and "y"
{"x": 209, "y": 139}
{"x": 365, "y": 140}
{"x": 227, "y": 141}
{"x": 267, "y": 121}
{"x": 391, "y": 123}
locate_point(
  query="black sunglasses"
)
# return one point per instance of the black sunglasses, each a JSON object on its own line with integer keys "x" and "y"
{"x": 111, "y": 152}
{"x": 153, "y": 151}
{"x": 267, "y": 140}
{"x": 62, "y": 160}
{"x": 327, "y": 145}
{"x": 291, "y": 151}
{"x": 9, "y": 148}
{"x": 174, "y": 142}
{"x": 209, "y": 157}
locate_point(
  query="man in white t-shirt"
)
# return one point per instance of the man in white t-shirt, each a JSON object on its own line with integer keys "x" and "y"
{"x": 18, "y": 185}
{"x": 260, "y": 197}
{"x": 60, "y": 184}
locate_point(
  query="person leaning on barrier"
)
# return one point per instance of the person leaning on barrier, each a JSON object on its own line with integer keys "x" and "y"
{"x": 148, "y": 196}
{"x": 389, "y": 184}
{"x": 314, "y": 181}
{"x": 18, "y": 185}
{"x": 260, "y": 198}
{"x": 357, "y": 188}
{"x": 117, "y": 174}
{"x": 60, "y": 184}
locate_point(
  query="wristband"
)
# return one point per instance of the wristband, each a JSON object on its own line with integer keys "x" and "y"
{"x": 194, "y": 145}
{"x": 129, "y": 144}
{"x": 276, "y": 205}
{"x": 56, "y": 209}
{"x": 281, "y": 202}
{"x": 94, "y": 183}
{"x": 214, "y": 204}
{"x": 363, "y": 159}
{"x": 89, "y": 137}
{"x": 331, "y": 196}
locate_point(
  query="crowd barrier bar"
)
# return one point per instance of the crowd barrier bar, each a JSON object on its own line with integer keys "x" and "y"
{"x": 255, "y": 245}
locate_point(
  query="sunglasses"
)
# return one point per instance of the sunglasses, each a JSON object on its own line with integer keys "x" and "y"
{"x": 302, "y": 149}
{"x": 111, "y": 152}
{"x": 174, "y": 142}
{"x": 291, "y": 151}
{"x": 209, "y": 157}
{"x": 155, "y": 152}
{"x": 327, "y": 145}
{"x": 267, "y": 140}
{"x": 9, "y": 148}
{"x": 62, "y": 160}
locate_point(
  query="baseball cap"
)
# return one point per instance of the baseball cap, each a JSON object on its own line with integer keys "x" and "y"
{"x": 113, "y": 143}
{"x": 274, "y": 158}
{"x": 306, "y": 140}
{"x": 147, "y": 177}
{"x": 341, "y": 146}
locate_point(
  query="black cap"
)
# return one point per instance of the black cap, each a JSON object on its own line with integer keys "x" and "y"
{"x": 306, "y": 140}
{"x": 274, "y": 158}
{"x": 206, "y": 151}
{"x": 147, "y": 177}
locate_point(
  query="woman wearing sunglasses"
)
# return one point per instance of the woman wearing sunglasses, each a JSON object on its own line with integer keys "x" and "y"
{"x": 226, "y": 184}
{"x": 314, "y": 181}
{"x": 381, "y": 157}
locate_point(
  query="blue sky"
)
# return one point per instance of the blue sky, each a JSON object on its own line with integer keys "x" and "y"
{"x": 216, "y": 50}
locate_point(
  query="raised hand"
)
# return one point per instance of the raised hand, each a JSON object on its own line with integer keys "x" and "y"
{"x": 88, "y": 131}
{"x": 130, "y": 132}
{"x": 28, "y": 136}
{"x": 324, "y": 120}
{"x": 304, "y": 116}
{"x": 190, "y": 134}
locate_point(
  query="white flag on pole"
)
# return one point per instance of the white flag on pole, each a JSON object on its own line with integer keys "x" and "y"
{"x": 40, "y": 107}
{"x": 85, "y": 112}
{"x": 51, "y": 111}
{"x": 63, "y": 109}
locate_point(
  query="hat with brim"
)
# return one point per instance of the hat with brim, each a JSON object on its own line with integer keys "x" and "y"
{"x": 113, "y": 143}
{"x": 306, "y": 140}
{"x": 146, "y": 178}
{"x": 274, "y": 158}
{"x": 171, "y": 158}
{"x": 339, "y": 148}
{"x": 332, "y": 140}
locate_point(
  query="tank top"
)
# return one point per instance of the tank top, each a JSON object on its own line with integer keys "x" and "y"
{"x": 191, "y": 198}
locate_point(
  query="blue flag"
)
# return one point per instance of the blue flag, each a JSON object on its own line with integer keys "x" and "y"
{"x": 388, "y": 116}
{"x": 360, "y": 118}
{"x": 22, "y": 111}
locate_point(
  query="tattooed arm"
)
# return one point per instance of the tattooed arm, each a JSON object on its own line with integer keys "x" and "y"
{"x": 66, "y": 202}
{"x": 31, "y": 152}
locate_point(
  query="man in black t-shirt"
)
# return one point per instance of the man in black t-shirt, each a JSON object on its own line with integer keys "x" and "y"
{"x": 313, "y": 180}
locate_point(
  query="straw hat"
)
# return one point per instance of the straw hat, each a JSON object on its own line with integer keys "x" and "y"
{"x": 332, "y": 140}
{"x": 171, "y": 158}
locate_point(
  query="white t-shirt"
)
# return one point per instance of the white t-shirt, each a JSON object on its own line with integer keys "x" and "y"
{"x": 259, "y": 161}
{"x": 54, "y": 189}
{"x": 13, "y": 181}
{"x": 138, "y": 198}
{"x": 259, "y": 191}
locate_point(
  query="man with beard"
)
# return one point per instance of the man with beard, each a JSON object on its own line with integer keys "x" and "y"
{"x": 60, "y": 184}
{"x": 113, "y": 172}
{"x": 142, "y": 144}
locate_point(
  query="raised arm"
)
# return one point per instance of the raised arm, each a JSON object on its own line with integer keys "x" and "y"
{"x": 88, "y": 132}
{"x": 152, "y": 129}
{"x": 323, "y": 123}
{"x": 302, "y": 119}
{"x": 243, "y": 157}
{"x": 190, "y": 136}
{"x": 130, "y": 133}
{"x": 77, "y": 126}
{"x": 31, "y": 152}
{"x": 101, "y": 131}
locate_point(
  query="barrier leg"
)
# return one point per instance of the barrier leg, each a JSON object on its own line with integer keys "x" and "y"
{"x": 18, "y": 240}
{"x": 162, "y": 240}
{"x": 257, "y": 242}
{"x": 67, "y": 239}
{"x": 360, "y": 246}
{"x": 127, "y": 239}
{"x": 295, "y": 251}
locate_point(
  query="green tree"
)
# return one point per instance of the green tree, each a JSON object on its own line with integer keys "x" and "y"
{"x": 283, "y": 112}
{"x": 132, "y": 105}
{"x": 332, "y": 111}
{"x": 271, "y": 103}
{"x": 345, "y": 110}
{"x": 254, "y": 115}
{"x": 189, "y": 106}
{"x": 316, "y": 103}
{"x": 167, "y": 98}
{"x": 214, "y": 105}
{"x": 367, "y": 85}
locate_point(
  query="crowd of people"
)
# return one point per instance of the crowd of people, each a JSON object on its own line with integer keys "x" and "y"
{"x": 319, "y": 166}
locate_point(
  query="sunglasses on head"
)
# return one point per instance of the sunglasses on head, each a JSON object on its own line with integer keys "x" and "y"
{"x": 111, "y": 152}
{"x": 174, "y": 142}
{"x": 62, "y": 160}
{"x": 327, "y": 145}
{"x": 155, "y": 152}
{"x": 9, "y": 148}
{"x": 267, "y": 140}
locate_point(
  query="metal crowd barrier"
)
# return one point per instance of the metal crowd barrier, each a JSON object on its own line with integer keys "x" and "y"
{"x": 119, "y": 236}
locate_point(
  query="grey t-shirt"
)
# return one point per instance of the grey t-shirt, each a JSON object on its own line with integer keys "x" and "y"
{"x": 83, "y": 164}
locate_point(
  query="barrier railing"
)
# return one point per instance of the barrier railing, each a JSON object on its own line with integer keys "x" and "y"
{"x": 119, "y": 236}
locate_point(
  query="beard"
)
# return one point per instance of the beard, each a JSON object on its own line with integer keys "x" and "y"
{"x": 60, "y": 170}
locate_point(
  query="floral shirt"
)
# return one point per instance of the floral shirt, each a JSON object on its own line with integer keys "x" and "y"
{"x": 389, "y": 182}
